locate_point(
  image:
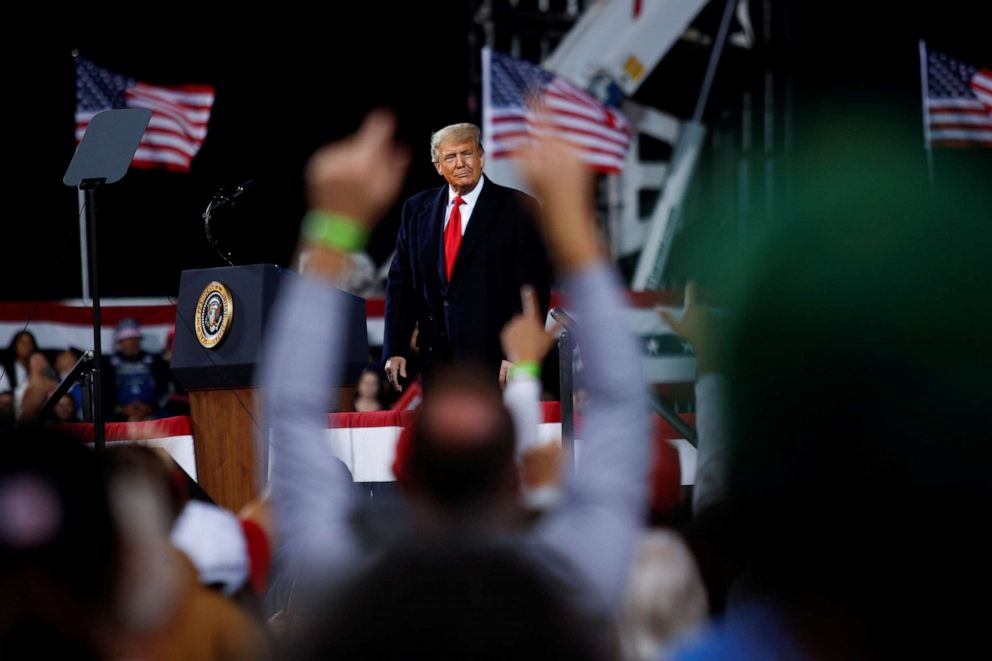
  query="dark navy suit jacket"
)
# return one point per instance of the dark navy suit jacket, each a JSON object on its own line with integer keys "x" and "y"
{"x": 461, "y": 320}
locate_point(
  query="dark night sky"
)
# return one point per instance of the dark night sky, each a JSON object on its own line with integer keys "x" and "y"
{"x": 279, "y": 96}
{"x": 286, "y": 85}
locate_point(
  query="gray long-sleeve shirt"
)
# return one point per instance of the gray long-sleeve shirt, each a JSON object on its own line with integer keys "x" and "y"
{"x": 595, "y": 529}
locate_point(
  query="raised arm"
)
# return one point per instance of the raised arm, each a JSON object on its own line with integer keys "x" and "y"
{"x": 312, "y": 493}
{"x": 596, "y": 528}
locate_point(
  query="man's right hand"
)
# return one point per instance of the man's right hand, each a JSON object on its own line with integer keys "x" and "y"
{"x": 396, "y": 368}
{"x": 524, "y": 337}
{"x": 357, "y": 178}
{"x": 361, "y": 175}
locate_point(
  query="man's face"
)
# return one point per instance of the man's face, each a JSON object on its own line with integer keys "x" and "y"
{"x": 24, "y": 347}
{"x": 66, "y": 408}
{"x": 136, "y": 411}
{"x": 130, "y": 347}
{"x": 64, "y": 362}
{"x": 460, "y": 163}
{"x": 368, "y": 385}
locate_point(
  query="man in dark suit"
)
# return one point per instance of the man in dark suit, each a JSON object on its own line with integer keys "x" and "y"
{"x": 462, "y": 253}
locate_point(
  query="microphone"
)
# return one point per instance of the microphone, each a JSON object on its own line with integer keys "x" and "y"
{"x": 222, "y": 199}
{"x": 241, "y": 190}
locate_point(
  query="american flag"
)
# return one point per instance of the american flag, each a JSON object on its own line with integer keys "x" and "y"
{"x": 958, "y": 101}
{"x": 179, "y": 114}
{"x": 516, "y": 89}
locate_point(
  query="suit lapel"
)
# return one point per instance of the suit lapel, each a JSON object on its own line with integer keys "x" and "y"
{"x": 483, "y": 216}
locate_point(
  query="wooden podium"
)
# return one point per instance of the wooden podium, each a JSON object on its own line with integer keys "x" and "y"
{"x": 220, "y": 326}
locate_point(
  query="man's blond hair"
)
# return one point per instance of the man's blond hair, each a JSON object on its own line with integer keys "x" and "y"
{"x": 457, "y": 133}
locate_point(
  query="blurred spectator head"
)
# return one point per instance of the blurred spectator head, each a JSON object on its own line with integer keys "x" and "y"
{"x": 665, "y": 598}
{"x": 150, "y": 467}
{"x": 65, "y": 361}
{"x": 369, "y": 383}
{"x": 65, "y": 409}
{"x": 59, "y": 550}
{"x": 137, "y": 411}
{"x": 217, "y": 543}
{"x": 462, "y": 444}
{"x": 127, "y": 337}
{"x": 456, "y": 601}
{"x": 860, "y": 398}
{"x": 22, "y": 345}
{"x": 369, "y": 392}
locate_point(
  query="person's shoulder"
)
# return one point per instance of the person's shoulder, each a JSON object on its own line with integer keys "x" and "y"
{"x": 413, "y": 205}
{"x": 423, "y": 197}
{"x": 506, "y": 193}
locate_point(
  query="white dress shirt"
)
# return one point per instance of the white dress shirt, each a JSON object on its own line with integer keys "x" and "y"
{"x": 469, "y": 198}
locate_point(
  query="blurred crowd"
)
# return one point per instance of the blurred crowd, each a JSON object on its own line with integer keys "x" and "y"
{"x": 842, "y": 411}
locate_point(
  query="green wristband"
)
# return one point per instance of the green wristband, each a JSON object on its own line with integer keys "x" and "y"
{"x": 335, "y": 231}
{"x": 528, "y": 367}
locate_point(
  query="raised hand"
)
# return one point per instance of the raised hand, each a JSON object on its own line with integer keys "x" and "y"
{"x": 524, "y": 337}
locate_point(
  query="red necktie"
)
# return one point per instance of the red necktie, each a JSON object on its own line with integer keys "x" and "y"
{"x": 453, "y": 236}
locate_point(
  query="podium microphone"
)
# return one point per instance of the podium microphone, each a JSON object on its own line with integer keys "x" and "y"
{"x": 219, "y": 200}
{"x": 241, "y": 190}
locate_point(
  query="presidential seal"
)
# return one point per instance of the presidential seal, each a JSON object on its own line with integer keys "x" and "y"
{"x": 214, "y": 313}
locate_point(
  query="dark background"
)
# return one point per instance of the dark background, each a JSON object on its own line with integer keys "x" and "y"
{"x": 287, "y": 83}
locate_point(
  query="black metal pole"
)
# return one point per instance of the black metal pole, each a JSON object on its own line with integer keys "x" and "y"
{"x": 87, "y": 382}
{"x": 566, "y": 376}
{"x": 66, "y": 384}
{"x": 89, "y": 188}
{"x": 566, "y": 373}
{"x": 665, "y": 409}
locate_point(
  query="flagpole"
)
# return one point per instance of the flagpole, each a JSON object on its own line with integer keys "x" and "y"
{"x": 486, "y": 100}
{"x": 721, "y": 39}
{"x": 84, "y": 266}
{"x": 925, "y": 87}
